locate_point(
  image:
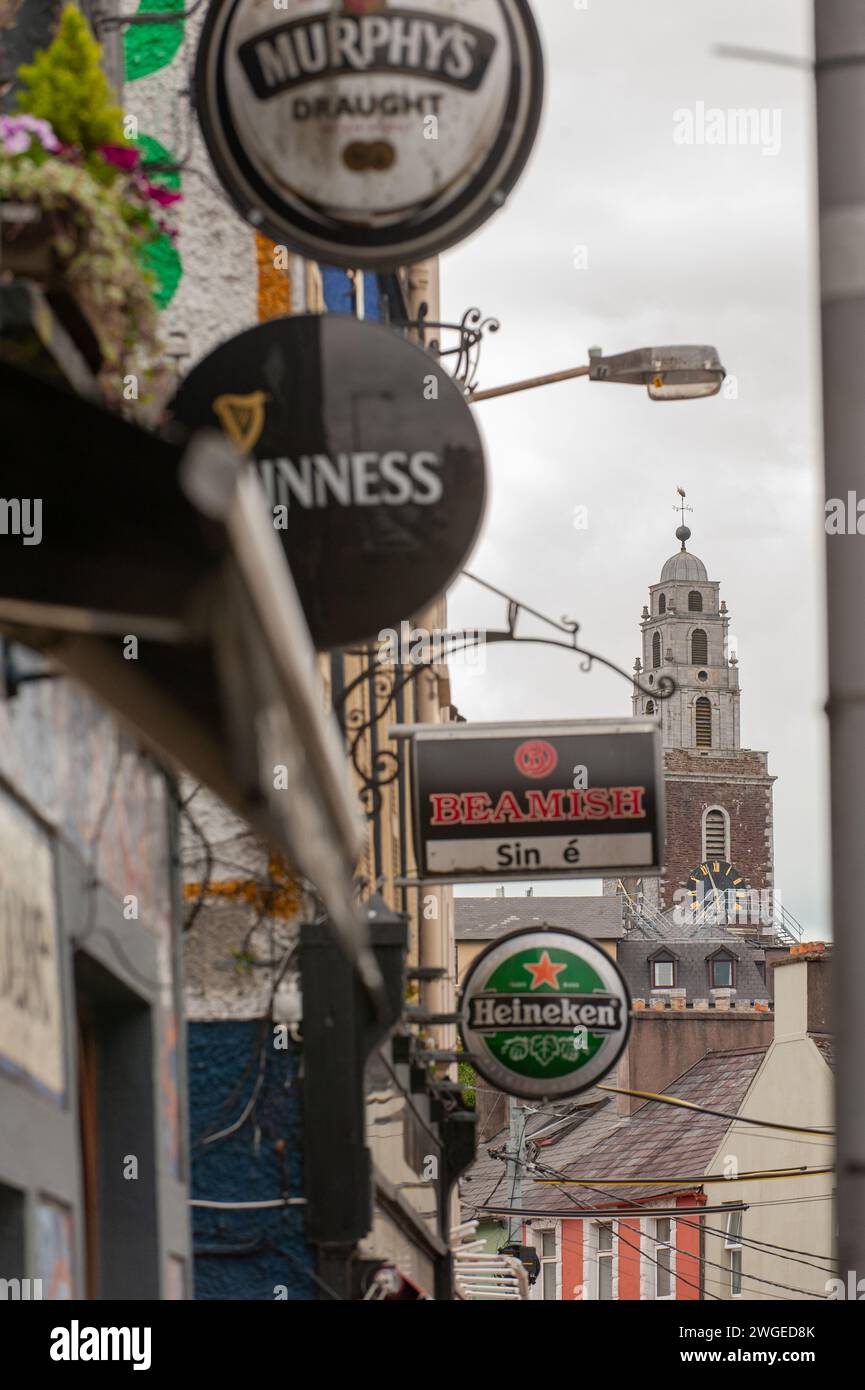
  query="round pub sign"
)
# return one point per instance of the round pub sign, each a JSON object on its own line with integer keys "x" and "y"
{"x": 368, "y": 133}
{"x": 545, "y": 1013}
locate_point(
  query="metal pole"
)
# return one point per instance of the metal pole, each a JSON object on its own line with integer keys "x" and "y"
{"x": 514, "y": 1170}
{"x": 840, "y": 52}
{"x": 529, "y": 384}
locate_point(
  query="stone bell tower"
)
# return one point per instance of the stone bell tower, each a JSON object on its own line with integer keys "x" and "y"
{"x": 718, "y": 794}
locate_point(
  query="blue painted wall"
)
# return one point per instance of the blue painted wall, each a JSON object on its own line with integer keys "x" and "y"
{"x": 246, "y": 1254}
{"x": 338, "y": 295}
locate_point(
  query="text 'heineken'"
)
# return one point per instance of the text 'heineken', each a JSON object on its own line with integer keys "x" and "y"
{"x": 545, "y": 1013}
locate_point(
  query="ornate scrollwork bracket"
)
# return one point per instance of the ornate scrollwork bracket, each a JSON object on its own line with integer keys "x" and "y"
{"x": 456, "y": 345}
{"x": 377, "y": 768}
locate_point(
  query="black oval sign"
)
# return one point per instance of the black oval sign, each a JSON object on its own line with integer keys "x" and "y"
{"x": 370, "y": 457}
{"x": 368, "y": 134}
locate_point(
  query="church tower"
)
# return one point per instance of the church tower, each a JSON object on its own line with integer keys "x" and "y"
{"x": 718, "y": 794}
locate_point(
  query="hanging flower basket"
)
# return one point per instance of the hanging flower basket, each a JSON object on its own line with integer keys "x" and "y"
{"x": 78, "y": 214}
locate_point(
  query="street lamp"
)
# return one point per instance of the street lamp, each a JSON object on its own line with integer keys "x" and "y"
{"x": 668, "y": 373}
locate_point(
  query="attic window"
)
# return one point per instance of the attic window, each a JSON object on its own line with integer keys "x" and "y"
{"x": 721, "y": 972}
{"x": 663, "y": 973}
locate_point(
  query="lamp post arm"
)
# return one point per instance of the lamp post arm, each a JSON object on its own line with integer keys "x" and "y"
{"x": 528, "y": 384}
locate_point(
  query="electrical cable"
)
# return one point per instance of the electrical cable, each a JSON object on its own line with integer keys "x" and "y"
{"x": 705, "y": 1110}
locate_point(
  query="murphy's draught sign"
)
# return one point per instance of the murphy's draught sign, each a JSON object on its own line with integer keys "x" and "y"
{"x": 545, "y": 1012}
{"x": 369, "y": 455}
{"x": 559, "y": 800}
{"x": 368, "y": 133}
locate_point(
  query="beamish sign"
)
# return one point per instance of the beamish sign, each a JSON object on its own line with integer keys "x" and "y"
{"x": 544, "y": 1013}
{"x": 370, "y": 457}
{"x": 368, "y": 134}
{"x": 519, "y": 801}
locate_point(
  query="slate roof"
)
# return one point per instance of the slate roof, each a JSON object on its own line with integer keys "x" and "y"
{"x": 482, "y": 919}
{"x": 656, "y": 1141}
{"x": 692, "y": 971}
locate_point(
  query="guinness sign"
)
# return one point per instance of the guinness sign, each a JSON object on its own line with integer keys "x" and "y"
{"x": 369, "y": 455}
{"x": 368, "y": 133}
{"x": 516, "y": 801}
{"x": 545, "y": 1013}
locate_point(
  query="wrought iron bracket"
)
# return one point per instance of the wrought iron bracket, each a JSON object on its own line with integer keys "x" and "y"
{"x": 461, "y": 341}
{"x": 386, "y": 680}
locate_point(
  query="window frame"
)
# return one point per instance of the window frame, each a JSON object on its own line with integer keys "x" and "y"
{"x": 654, "y": 962}
{"x": 722, "y": 957}
{"x": 607, "y": 1256}
{"x": 695, "y": 659}
{"x": 536, "y": 1234}
{"x": 726, "y": 856}
{"x": 669, "y": 1245}
{"x": 734, "y": 1250}
{"x": 702, "y": 702}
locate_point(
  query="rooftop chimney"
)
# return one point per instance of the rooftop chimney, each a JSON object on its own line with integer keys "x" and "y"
{"x": 802, "y": 990}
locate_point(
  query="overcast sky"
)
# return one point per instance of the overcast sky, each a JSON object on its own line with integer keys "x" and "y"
{"x": 700, "y": 243}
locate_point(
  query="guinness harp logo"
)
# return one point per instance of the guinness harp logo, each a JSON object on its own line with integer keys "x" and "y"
{"x": 242, "y": 418}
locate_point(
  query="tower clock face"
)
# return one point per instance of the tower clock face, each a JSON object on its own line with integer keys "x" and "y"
{"x": 717, "y": 888}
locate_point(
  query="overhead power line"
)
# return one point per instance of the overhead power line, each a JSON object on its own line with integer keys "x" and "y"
{"x": 721, "y": 1114}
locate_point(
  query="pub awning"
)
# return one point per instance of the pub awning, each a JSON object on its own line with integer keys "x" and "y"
{"x": 140, "y": 538}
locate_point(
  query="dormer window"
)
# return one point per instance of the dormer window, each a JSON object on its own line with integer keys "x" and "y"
{"x": 663, "y": 971}
{"x": 695, "y": 602}
{"x": 722, "y": 970}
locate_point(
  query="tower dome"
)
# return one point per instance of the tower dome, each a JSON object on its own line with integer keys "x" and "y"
{"x": 683, "y": 566}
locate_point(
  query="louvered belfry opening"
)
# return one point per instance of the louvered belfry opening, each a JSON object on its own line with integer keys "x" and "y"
{"x": 656, "y": 650}
{"x": 699, "y": 647}
{"x": 695, "y": 602}
{"x": 704, "y": 723}
{"x": 662, "y": 603}
{"x": 716, "y": 836}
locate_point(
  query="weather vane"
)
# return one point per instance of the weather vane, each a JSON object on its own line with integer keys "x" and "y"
{"x": 683, "y": 532}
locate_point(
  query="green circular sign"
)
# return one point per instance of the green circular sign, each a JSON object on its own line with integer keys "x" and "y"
{"x": 545, "y": 1013}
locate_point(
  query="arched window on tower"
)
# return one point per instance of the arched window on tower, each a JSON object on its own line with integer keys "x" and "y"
{"x": 650, "y": 707}
{"x": 662, "y": 603}
{"x": 715, "y": 844}
{"x": 695, "y": 602}
{"x": 703, "y": 719}
{"x": 656, "y": 650}
{"x": 699, "y": 647}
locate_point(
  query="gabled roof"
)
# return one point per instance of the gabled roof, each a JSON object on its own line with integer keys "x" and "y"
{"x": 657, "y": 1141}
{"x": 483, "y": 919}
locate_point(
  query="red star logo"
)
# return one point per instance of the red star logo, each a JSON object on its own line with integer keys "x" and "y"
{"x": 543, "y": 972}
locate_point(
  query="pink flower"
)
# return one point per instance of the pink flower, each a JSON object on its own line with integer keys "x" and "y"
{"x": 121, "y": 156}
{"x": 163, "y": 196}
{"x": 17, "y": 132}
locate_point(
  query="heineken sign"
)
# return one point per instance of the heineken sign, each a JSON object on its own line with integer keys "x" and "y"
{"x": 517, "y": 801}
{"x": 369, "y": 455}
{"x": 545, "y": 1013}
{"x": 368, "y": 133}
